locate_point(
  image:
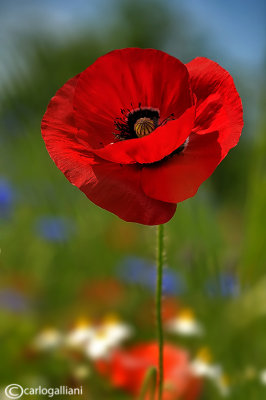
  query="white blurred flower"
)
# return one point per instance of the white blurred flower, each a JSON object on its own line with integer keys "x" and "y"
{"x": 48, "y": 339}
{"x": 223, "y": 385}
{"x": 185, "y": 324}
{"x": 202, "y": 366}
{"x": 116, "y": 330}
{"x": 99, "y": 346}
{"x": 262, "y": 377}
{"x": 81, "y": 333}
{"x": 108, "y": 336}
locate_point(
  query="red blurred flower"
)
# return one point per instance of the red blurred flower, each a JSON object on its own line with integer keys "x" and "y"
{"x": 127, "y": 368}
{"x": 138, "y": 131}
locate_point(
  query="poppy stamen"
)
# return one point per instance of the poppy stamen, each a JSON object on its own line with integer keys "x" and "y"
{"x": 136, "y": 123}
{"x": 170, "y": 118}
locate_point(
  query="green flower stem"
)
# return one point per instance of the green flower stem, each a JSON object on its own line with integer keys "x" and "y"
{"x": 149, "y": 383}
{"x": 160, "y": 239}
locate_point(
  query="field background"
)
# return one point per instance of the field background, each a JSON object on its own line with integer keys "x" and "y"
{"x": 62, "y": 257}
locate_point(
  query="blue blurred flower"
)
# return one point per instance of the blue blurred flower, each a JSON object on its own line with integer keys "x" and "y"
{"x": 6, "y": 198}
{"x": 226, "y": 284}
{"x": 138, "y": 271}
{"x": 12, "y": 300}
{"x": 55, "y": 229}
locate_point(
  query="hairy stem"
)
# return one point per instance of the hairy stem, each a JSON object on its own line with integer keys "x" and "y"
{"x": 160, "y": 243}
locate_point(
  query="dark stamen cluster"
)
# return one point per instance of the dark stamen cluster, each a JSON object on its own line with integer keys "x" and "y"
{"x": 139, "y": 122}
{"x": 125, "y": 125}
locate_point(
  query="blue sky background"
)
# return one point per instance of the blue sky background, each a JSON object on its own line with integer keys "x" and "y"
{"x": 235, "y": 29}
{"x": 236, "y": 26}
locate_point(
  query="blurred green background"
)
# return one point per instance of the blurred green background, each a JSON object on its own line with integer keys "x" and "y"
{"x": 62, "y": 258}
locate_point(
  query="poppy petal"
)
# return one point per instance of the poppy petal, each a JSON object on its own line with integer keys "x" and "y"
{"x": 117, "y": 188}
{"x": 179, "y": 177}
{"x": 111, "y": 186}
{"x": 153, "y": 147}
{"x": 59, "y": 114}
{"x": 219, "y": 107}
{"x": 126, "y": 369}
{"x": 123, "y": 79}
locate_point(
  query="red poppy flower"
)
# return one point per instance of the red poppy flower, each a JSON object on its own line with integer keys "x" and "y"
{"x": 127, "y": 368}
{"x": 138, "y": 131}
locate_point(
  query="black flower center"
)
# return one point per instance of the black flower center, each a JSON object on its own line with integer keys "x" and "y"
{"x": 140, "y": 122}
{"x": 136, "y": 123}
